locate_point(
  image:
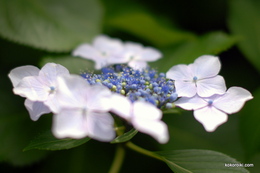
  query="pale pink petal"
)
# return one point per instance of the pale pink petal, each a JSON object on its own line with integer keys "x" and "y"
{"x": 210, "y": 117}
{"x": 36, "y": 109}
{"x": 121, "y": 106}
{"x": 156, "y": 129}
{"x": 206, "y": 66}
{"x": 32, "y": 88}
{"x": 191, "y": 103}
{"x": 100, "y": 126}
{"x": 17, "y": 74}
{"x": 233, "y": 100}
{"x": 185, "y": 89}
{"x": 70, "y": 123}
{"x": 180, "y": 72}
{"x": 210, "y": 86}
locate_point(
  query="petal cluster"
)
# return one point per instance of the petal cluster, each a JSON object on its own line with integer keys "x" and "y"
{"x": 105, "y": 51}
{"x": 144, "y": 116}
{"x": 200, "y": 77}
{"x": 212, "y": 111}
{"x": 38, "y": 87}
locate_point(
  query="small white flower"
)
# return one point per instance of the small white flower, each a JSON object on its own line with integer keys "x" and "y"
{"x": 37, "y": 86}
{"x": 212, "y": 111}
{"x": 104, "y": 51}
{"x": 144, "y": 117}
{"x": 138, "y": 55}
{"x": 201, "y": 77}
{"x": 83, "y": 110}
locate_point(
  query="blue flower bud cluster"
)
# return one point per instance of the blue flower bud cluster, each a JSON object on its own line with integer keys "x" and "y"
{"x": 147, "y": 84}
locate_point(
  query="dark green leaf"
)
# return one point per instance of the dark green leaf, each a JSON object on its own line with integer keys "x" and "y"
{"x": 125, "y": 137}
{"x": 73, "y": 64}
{"x": 46, "y": 141}
{"x": 249, "y": 125}
{"x": 200, "y": 161}
{"x": 244, "y": 22}
{"x": 149, "y": 28}
{"x": 211, "y": 43}
{"x": 52, "y": 25}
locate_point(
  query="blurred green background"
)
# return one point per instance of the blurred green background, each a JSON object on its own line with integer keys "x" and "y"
{"x": 38, "y": 31}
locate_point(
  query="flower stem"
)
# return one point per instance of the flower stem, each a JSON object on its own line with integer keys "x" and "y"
{"x": 118, "y": 159}
{"x": 143, "y": 151}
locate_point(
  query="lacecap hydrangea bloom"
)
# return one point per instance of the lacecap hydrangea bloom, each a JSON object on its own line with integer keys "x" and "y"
{"x": 85, "y": 105}
{"x": 106, "y": 51}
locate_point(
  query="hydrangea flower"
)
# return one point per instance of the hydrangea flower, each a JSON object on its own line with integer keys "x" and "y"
{"x": 38, "y": 86}
{"x": 107, "y": 51}
{"x": 138, "y": 55}
{"x": 147, "y": 85}
{"x": 83, "y": 110}
{"x": 104, "y": 51}
{"x": 144, "y": 117}
{"x": 212, "y": 111}
{"x": 201, "y": 77}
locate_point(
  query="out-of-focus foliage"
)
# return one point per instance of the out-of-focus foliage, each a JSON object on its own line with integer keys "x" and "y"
{"x": 36, "y": 32}
{"x": 50, "y": 24}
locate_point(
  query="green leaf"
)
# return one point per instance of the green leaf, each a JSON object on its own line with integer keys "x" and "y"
{"x": 185, "y": 53}
{"x": 52, "y": 25}
{"x": 249, "y": 125}
{"x": 200, "y": 161}
{"x": 125, "y": 137}
{"x": 244, "y": 22}
{"x": 73, "y": 64}
{"x": 146, "y": 26}
{"x": 46, "y": 141}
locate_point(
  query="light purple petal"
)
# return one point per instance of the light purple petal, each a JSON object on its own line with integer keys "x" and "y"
{"x": 121, "y": 106}
{"x": 192, "y": 103}
{"x": 100, "y": 126}
{"x": 17, "y": 74}
{"x": 185, "y": 89}
{"x": 32, "y": 88}
{"x": 146, "y": 119}
{"x": 51, "y": 71}
{"x": 210, "y": 86}
{"x": 206, "y": 66}
{"x": 72, "y": 91}
{"x": 210, "y": 117}
{"x": 156, "y": 129}
{"x": 98, "y": 98}
{"x": 180, "y": 72}
{"x": 233, "y": 100}
{"x": 150, "y": 54}
{"x": 138, "y": 65}
{"x": 52, "y": 103}
{"x": 36, "y": 109}
{"x": 86, "y": 51}
{"x": 107, "y": 44}
{"x": 146, "y": 111}
{"x": 70, "y": 123}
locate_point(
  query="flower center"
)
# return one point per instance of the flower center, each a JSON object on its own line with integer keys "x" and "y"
{"x": 195, "y": 78}
{"x": 52, "y": 89}
{"x": 210, "y": 102}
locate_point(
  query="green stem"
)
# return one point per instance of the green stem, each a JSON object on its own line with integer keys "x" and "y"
{"x": 118, "y": 159}
{"x": 143, "y": 151}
